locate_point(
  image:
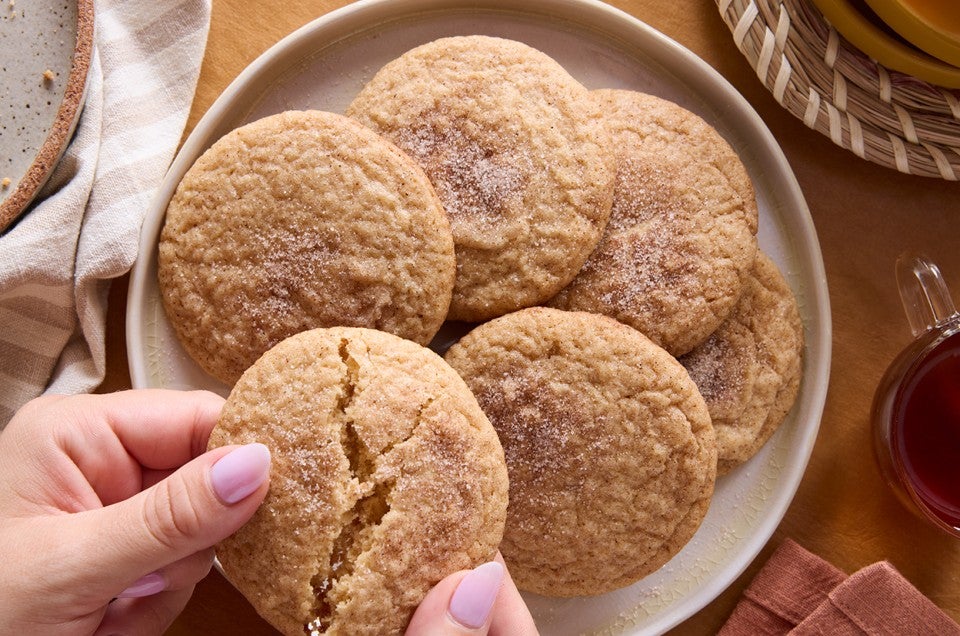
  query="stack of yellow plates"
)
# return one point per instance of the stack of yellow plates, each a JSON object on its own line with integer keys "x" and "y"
{"x": 931, "y": 25}
{"x": 916, "y": 37}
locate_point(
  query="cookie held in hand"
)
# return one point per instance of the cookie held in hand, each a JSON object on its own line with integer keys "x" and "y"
{"x": 386, "y": 477}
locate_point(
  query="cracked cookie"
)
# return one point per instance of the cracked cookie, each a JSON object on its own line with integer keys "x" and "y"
{"x": 301, "y": 220}
{"x": 609, "y": 447}
{"x": 517, "y": 153}
{"x": 386, "y": 477}
{"x": 749, "y": 370}
{"x": 682, "y": 235}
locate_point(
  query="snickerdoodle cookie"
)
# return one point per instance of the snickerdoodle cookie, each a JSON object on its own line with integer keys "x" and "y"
{"x": 682, "y": 234}
{"x": 300, "y": 220}
{"x": 609, "y": 447}
{"x": 518, "y": 154}
{"x": 749, "y": 370}
{"x": 386, "y": 477}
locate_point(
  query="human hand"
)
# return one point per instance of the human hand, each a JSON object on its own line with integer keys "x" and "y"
{"x": 112, "y": 497}
{"x": 474, "y": 603}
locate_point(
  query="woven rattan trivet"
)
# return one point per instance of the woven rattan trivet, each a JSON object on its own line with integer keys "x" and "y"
{"x": 881, "y": 115}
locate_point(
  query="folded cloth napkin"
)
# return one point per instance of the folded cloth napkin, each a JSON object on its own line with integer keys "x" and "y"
{"x": 800, "y": 594}
{"x": 57, "y": 261}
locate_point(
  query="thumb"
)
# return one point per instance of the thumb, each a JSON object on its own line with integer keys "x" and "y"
{"x": 460, "y": 603}
{"x": 204, "y": 501}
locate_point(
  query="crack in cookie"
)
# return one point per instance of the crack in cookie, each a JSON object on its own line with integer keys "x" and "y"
{"x": 367, "y": 512}
{"x": 386, "y": 476}
{"x": 360, "y": 522}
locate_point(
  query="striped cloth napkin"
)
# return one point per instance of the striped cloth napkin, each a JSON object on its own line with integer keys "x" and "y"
{"x": 57, "y": 261}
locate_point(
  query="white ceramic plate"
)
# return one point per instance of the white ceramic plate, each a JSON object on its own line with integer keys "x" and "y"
{"x": 324, "y": 64}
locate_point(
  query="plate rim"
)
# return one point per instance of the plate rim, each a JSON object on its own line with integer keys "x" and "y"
{"x": 906, "y": 58}
{"x": 64, "y": 123}
{"x": 915, "y": 27}
{"x": 367, "y": 14}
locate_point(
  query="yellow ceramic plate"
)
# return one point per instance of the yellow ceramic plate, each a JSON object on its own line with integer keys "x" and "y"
{"x": 852, "y": 20}
{"x": 931, "y": 25}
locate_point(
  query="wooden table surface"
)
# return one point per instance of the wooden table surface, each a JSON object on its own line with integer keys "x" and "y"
{"x": 865, "y": 215}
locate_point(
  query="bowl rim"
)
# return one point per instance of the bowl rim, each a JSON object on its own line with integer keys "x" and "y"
{"x": 61, "y": 130}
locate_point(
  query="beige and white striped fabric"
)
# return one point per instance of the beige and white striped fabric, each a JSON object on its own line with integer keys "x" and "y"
{"x": 57, "y": 261}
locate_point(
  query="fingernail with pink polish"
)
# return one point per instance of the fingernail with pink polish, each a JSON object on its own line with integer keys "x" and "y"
{"x": 240, "y": 472}
{"x": 473, "y": 599}
{"x": 145, "y": 586}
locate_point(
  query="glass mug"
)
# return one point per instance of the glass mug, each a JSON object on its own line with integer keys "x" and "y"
{"x": 916, "y": 409}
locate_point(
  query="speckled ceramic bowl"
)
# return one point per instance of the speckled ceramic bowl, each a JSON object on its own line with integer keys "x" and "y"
{"x": 45, "y": 49}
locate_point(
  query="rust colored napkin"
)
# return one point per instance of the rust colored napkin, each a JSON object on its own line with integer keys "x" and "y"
{"x": 799, "y": 593}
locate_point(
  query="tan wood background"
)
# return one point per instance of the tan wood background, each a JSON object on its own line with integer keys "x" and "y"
{"x": 865, "y": 216}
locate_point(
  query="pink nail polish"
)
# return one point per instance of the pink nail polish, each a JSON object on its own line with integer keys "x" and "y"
{"x": 473, "y": 599}
{"x": 152, "y": 583}
{"x": 240, "y": 472}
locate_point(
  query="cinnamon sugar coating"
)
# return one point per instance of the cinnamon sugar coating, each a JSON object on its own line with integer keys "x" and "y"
{"x": 609, "y": 447}
{"x": 749, "y": 370}
{"x": 386, "y": 477}
{"x": 517, "y": 153}
{"x": 295, "y": 221}
{"x": 682, "y": 235}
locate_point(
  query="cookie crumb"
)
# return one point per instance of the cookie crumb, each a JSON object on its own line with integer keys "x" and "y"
{"x": 48, "y": 76}
{"x": 5, "y": 183}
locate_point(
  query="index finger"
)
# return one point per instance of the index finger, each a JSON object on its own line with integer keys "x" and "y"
{"x": 159, "y": 428}
{"x": 113, "y": 439}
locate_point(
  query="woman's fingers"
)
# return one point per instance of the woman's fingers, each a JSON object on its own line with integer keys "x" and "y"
{"x": 473, "y": 603}
{"x": 144, "y": 504}
{"x": 474, "y": 596}
{"x": 145, "y": 616}
{"x": 433, "y": 618}
{"x": 511, "y": 617}
{"x": 194, "y": 508}
{"x": 94, "y": 448}
{"x": 158, "y": 429}
{"x": 180, "y": 575}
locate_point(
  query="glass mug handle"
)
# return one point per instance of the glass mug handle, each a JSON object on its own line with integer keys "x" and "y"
{"x": 923, "y": 292}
